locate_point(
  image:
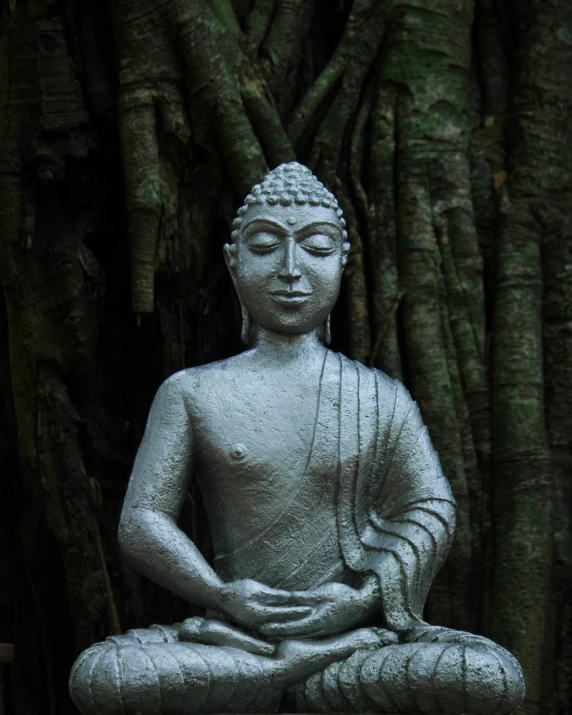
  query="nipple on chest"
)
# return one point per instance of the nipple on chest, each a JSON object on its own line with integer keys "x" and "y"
{"x": 238, "y": 452}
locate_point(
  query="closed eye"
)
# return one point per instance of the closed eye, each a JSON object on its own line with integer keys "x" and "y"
{"x": 263, "y": 243}
{"x": 319, "y": 244}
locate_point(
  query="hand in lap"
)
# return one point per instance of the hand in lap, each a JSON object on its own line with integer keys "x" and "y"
{"x": 334, "y": 608}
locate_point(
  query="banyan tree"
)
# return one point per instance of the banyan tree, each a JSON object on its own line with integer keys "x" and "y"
{"x": 130, "y": 132}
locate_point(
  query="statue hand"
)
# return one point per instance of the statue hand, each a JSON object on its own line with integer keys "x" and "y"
{"x": 335, "y": 608}
{"x": 252, "y": 604}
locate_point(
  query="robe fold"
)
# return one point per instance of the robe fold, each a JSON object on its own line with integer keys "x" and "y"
{"x": 396, "y": 512}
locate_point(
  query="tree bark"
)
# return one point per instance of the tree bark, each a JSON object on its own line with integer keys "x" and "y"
{"x": 130, "y": 132}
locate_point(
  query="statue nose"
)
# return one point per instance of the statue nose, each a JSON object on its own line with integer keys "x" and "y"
{"x": 289, "y": 270}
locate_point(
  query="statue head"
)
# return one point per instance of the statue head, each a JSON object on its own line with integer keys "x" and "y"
{"x": 289, "y": 248}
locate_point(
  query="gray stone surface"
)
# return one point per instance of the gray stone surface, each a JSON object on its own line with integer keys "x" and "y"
{"x": 329, "y": 511}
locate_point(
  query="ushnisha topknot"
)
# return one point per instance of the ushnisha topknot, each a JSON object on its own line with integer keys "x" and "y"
{"x": 289, "y": 184}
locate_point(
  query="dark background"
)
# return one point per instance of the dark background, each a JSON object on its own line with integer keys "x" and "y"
{"x": 131, "y": 130}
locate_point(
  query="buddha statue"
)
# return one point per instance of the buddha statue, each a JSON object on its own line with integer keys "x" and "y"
{"x": 329, "y": 511}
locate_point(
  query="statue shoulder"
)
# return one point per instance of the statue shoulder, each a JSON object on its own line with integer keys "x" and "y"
{"x": 371, "y": 378}
{"x": 178, "y": 385}
{"x": 396, "y": 397}
{"x": 194, "y": 384}
{"x": 393, "y": 398}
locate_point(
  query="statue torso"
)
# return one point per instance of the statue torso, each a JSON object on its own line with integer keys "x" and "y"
{"x": 266, "y": 449}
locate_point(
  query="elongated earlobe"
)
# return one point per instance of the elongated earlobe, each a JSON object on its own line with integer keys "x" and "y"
{"x": 230, "y": 258}
{"x": 245, "y": 334}
{"x": 325, "y": 332}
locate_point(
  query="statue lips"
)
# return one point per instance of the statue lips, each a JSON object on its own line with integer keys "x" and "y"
{"x": 290, "y": 297}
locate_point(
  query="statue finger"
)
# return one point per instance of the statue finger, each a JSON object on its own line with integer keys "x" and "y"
{"x": 272, "y": 596}
{"x": 307, "y": 597}
{"x": 291, "y": 629}
{"x": 213, "y": 632}
{"x": 272, "y": 614}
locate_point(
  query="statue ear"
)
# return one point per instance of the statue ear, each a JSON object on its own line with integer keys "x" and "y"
{"x": 230, "y": 256}
{"x": 245, "y": 333}
{"x": 230, "y": 260}
{"x": 345, "y": 252}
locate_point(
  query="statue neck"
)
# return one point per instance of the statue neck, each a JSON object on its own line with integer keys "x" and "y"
{"x": 270, "y": 344}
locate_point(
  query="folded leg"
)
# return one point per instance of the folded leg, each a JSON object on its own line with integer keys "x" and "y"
{"x": 152, "y": 671}
{"x": 443, "y": 671}
{"x": 124, "y": 676}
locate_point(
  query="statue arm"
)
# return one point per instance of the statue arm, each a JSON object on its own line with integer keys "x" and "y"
{"x": 148, "y": 533}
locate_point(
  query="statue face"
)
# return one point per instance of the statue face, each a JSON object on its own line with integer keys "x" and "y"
{"x": 287, "y": 266}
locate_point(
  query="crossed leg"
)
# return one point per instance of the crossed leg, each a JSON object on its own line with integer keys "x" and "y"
{"x": 435, "y": 670}
{"x": 153, "y": 671}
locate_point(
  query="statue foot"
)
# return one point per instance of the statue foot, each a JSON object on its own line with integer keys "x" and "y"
{"x": 214, "y": 632}
{"x": 300, "y": 658}
{"x": 291, "y": 654}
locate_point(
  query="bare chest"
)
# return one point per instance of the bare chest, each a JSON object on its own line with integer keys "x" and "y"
{"x": 256, "y": 431}
{"x": 267, "y": 471}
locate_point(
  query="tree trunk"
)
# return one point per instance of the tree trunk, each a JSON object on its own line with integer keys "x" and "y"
{"x": 130, "y": 132}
